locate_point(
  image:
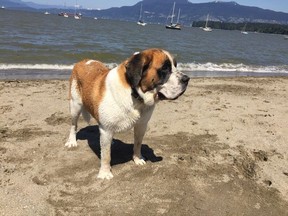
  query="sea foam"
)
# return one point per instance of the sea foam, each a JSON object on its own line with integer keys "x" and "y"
{"x": 221, "y": 67}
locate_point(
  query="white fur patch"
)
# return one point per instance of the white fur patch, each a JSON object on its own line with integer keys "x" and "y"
{"x": 74, "y": 93}
{"x": 90, "y": 61}
{"x": 116, "y": 111}
{"x": 148, "y": 97}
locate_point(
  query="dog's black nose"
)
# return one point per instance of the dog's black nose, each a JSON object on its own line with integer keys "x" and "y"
{"x": 185, "y": 79}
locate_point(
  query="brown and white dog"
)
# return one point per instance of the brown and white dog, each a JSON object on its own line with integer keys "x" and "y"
{"x": 123, "y": 97}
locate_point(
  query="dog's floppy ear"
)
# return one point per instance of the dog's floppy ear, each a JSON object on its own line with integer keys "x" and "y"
{"x": 136, "y": 66}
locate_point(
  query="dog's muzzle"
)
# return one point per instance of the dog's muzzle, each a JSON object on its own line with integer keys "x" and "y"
{"x": 174, "y": 87}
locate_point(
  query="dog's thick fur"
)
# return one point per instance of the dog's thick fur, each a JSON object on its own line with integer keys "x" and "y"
{"x": 123, "y": 97}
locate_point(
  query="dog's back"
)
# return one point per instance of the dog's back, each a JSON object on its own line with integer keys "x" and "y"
{"x": 87, "y": 82}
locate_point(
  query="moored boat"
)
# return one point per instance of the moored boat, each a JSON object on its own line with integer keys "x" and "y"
{"x": 140, "y": 20}
{"x": 174, "y": 26}
{"x": 64, "y": 14}
{"x": 207, "y": 28}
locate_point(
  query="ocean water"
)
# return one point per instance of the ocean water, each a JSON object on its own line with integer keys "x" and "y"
{"x": 34, "y": 45}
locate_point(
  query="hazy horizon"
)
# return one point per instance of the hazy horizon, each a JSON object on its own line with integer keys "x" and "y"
{"x": 276, "y": 5}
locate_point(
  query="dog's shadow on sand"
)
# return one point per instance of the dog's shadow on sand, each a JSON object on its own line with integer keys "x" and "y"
{"x": 120, "y": 152}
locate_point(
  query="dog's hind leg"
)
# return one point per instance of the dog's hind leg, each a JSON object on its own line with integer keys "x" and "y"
{"x": 75, "y": 110}
{"x": 86, "y": 115}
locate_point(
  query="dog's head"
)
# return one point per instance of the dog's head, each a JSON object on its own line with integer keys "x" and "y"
{"x": 153, "y": 76}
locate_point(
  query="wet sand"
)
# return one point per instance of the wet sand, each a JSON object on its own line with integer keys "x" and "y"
{"x": 220, "y": 149}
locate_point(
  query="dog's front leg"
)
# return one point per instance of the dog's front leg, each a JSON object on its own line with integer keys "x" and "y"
{"x": 139, "y": 131}
{"x": 105, "y": 144}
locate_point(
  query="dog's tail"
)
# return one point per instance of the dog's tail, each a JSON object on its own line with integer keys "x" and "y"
{"x": 86, "y": 115}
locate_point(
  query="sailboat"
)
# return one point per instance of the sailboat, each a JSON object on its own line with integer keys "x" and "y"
{"x": 77, "y": 15}
{"x": 140, "y": 20}
{"x": 64, "y": 14}
{"x": 206, "y": 28}
{"x": 175, "y": 26}
{"x": 244, "y": 29}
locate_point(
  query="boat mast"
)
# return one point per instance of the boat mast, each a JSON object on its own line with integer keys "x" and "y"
{"x": 140, "y": 15}
{"x": 206, "y": 25}
{"x": 178, "y": 16}
{"x": 173, "y": 12}
{"x": 244, "y": 28}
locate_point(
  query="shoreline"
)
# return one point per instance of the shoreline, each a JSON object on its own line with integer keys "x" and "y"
{"x": 220, "y": 148}
{"x": 36, "y": 74}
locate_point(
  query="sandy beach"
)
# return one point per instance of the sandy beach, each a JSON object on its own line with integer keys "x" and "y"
{"x": 220, "y": 149}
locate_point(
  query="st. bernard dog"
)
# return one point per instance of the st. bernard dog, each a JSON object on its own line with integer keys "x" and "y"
{"x": 123, "y": 97}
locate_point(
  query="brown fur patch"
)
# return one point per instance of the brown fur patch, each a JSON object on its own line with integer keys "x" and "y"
{"x": 90, "y": 80}
{"x": 151, "y": 78}
{"x": 144, "y": 64}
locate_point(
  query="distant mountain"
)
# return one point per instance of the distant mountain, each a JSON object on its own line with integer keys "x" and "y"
{"x": 15, "y": 4}
{"x": 40, "y": 6}
{"x": 18, "y": 4}
{"x": 157, "y": 11}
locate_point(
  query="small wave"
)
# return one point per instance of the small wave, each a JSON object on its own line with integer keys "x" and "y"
{"x": 43, "y": 66}
{"x": 35, "y": 67}
{"x": 223, "y": 67}
{"x": 226, "y": 67}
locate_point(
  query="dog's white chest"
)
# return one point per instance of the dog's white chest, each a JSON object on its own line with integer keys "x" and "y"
{"x": 117, "y": 117}
{"x": 116, "y": 110}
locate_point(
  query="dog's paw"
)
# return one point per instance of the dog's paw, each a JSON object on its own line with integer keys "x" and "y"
{"x": 139, "y": 161}
{"x": 105, "y": 175}
{"x": 71, "y": 143}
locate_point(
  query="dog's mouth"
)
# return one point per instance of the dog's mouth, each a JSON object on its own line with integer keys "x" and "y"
{"x": 162, "y": 96}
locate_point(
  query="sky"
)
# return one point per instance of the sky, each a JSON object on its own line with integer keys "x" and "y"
{"x": 276, "y": 5}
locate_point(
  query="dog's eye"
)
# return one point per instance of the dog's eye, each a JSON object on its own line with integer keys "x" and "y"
{"x": 164, "y": 72}
{"x": 166, "y": 66}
